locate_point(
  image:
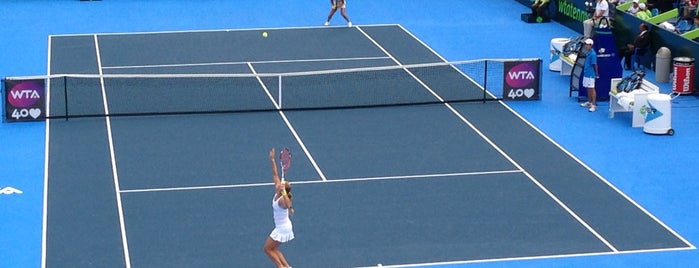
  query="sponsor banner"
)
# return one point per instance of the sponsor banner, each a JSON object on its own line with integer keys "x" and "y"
{"x": 570, "y": 13}
{"x": 25, "y": 100}
{"x": 522, "y": 80}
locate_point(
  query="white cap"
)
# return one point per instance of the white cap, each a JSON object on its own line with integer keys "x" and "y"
{"x": 589, "y": 41}
{"x": 635, "y": 1}
{"x": 642, "y": 5}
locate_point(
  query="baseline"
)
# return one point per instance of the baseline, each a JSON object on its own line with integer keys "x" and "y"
{"x": 331, "y": 180}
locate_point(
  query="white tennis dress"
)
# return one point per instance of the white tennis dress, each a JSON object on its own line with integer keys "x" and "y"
{"x": 344, "y": 4}
{"x": 283, "y": 230}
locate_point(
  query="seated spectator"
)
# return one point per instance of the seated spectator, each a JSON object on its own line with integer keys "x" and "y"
{"x": 680, "y": 27}
{"x": 539, "y": 8}
{"x": 633, "y": 9}
{"x": 643, "y": 12}
{"x": 695, "y": 23}
{"x": 601, "y": 11}
{"x": 689, "y": 8}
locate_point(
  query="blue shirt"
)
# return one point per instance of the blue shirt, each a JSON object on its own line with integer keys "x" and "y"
{"x": 590, "y": 61}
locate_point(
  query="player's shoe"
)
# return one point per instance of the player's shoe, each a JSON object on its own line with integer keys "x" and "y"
{"x": 349, "y": 24}
{"x": 326, "y": 23}
{"x": 593, "y": 108}
{"x": 586, "y": 104}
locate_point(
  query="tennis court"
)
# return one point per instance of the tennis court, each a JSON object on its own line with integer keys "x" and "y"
{"x": 404, "y": 185}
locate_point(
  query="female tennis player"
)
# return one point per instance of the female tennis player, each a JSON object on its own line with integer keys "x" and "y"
{"x": 281, "y": 205}
{"x": 342, "y": 6}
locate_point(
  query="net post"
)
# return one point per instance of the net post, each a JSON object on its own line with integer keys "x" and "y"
{"x": 3, "y": 100}
{"x": 540, "y": 77}
{"x": 65, "y": 96}
{"x": 485, "y": 81}
{"x": 279, "y": 85}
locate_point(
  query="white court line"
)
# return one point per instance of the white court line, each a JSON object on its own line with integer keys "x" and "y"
{"x": 44, "y": 223}
{"x": 542, "y": 257}
{"x": 120, "y": 210}
{"x": 288, "y": 124}
{"x": 497, "y": 148}
{"x": 426, "y": 176}
{"x": 600, "y": 177}
{"x": 473, "y": 261}
{"x": 242, "y": 62}
{"x": 215, "y": 30}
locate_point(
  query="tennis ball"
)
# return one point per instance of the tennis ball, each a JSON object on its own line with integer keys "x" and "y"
{"x": 264, "y": 34}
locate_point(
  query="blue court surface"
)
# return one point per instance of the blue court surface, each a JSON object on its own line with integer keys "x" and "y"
{"x": 462, "y": 184}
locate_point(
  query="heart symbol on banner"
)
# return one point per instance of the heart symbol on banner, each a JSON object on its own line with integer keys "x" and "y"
{"x": 529, "y": 92}
{"x": 35, "y": 112}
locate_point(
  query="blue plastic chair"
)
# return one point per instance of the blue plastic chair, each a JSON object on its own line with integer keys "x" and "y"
{"x": 654, "y": 12}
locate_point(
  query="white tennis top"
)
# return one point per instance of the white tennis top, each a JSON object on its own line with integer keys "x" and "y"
{"x": 281, "y": 215}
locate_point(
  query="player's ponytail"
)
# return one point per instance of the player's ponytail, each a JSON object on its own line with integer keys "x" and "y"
{"x": 287, "y": 188}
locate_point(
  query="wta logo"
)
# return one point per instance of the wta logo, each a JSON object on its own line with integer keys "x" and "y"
{"x": 25, "y": 94}
{"x": 521, "y": 75}
{"x": 521, "y": 80}
{"x": 25, "y": 100}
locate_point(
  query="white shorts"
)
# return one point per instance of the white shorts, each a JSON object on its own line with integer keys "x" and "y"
{"x": 282, "y": 233}
{"x": 344, "y": 4}
{"x": 588, "y": 82}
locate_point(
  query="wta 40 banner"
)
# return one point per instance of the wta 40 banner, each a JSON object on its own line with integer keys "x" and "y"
{"x": 24, "y": 100}
{"x": 522, "y": 80}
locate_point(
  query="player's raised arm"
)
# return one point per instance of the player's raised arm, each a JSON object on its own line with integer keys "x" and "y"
{"x": 275, "y": 173}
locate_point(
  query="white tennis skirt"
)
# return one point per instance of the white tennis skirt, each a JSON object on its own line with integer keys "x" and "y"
{"x": 282, "y": 233}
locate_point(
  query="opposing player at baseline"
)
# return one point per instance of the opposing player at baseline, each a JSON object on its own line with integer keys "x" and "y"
{"x": 283, "y": 229}
{"x": 335, "y": 4}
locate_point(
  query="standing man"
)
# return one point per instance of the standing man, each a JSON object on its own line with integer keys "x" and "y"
{"x": 590, "y": 75}
{"x": 642, "y": 41}
{"x": 601, "y": 11}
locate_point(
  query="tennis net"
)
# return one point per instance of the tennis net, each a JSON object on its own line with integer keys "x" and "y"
{"x": 74, "y": 95}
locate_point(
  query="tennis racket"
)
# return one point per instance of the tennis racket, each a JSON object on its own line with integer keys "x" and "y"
{"x": 285, "y": 161}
